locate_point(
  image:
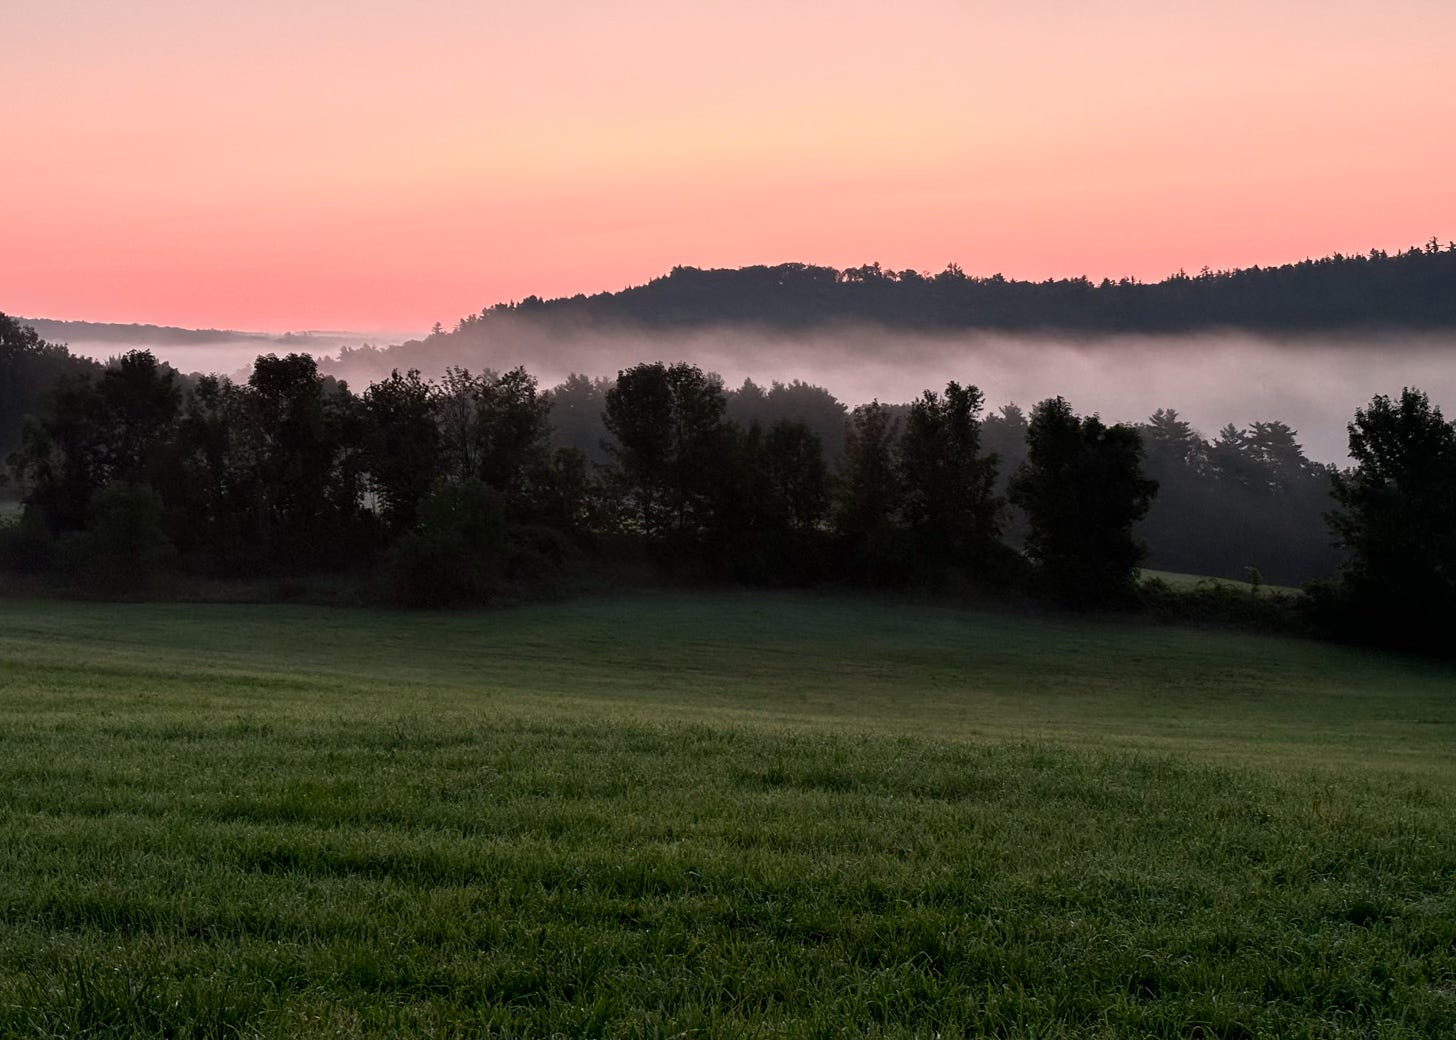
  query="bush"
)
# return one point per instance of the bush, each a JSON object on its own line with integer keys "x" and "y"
{"x": 123, "y": 547}
{"x": 538, "y": 554}
{"x": 457, "y": 551}
{"x": 26, "y": 545}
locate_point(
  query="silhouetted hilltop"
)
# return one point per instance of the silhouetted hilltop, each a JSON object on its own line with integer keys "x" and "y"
{"x": 129, "y": 335}
{"x": 123, "y": 337}
{"x": 1415, "y": 288}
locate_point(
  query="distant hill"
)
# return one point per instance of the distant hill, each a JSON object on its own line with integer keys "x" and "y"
{"x": 1415, "y": 288}
{"x": 133, "y": 335}
{"x": 157, "y": 335}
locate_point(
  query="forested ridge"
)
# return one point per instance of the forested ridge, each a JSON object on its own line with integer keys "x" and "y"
{"x": 1412, "y": 288}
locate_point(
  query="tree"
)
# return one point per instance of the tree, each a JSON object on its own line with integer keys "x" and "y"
{"x": 304, "y": 454}
{"x": 949, "y": 497}
{"x": 214, "y": 512}
{"x": 29, "y": 369}
{"x": 140, "y": 400}
{"x": 747, "y": 405}
{"x": 670, "y": 442}
{"x": 458, "y": 415}
{"x": 577, "y": 405}
{"x": 795, "y": 481}
{"x": 402, "y": 447}
{"x": 1274, "y": 449}
{"x": 869, "y": 482}
{"x": 867, "y": 497}
{"x": 1170, "y": 443}
{"x": 514, "y": 430}
{"x": 1003, "y": 434}
{"x": 765, "y": 505}
{"x": 96, "y": 432}
{"x": 795, "y": 401}
{"x": 1083, "y": 489}
{"x": 1230, "y": 461}
{"x": 1396, "y": 514}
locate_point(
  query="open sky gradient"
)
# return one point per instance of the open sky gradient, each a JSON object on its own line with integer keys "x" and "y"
{"x": 381, "y": 164}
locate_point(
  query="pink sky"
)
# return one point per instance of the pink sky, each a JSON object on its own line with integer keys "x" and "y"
{"x": 380, "y": 165}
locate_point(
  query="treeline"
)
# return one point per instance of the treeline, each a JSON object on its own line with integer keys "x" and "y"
{"x": 292, "y": 471}
{"x": 455, "y": 490}
{"x": 1247, "y": 500}
{"x": 1406, "y": 289}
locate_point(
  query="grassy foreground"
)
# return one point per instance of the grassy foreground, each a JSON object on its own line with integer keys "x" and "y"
{"x": 715, "y": 816}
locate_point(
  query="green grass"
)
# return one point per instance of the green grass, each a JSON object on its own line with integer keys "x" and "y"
{"x": 1179, "y": 580}
{"x": 715, "y": 816}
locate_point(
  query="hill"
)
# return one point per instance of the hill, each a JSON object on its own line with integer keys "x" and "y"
{"x": 126, "y": 336}
{"x": 1415, "y": 288}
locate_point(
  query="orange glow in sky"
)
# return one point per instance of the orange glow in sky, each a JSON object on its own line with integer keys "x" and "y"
{"x": 381, "y": 164}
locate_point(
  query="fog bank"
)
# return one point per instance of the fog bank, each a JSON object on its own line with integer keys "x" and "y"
{"x": 1313, "y": 383}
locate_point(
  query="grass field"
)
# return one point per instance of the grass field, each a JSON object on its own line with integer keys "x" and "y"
{"x": 715, "y": 816}
{"x": 1179, "y": 580}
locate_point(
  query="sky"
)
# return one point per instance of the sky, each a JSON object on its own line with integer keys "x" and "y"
{"x": 382, "y": 165}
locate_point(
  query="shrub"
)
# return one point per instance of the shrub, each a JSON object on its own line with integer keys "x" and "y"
{"x": 455, "y": 554}
{"x": 123, "y": 547}
{"x": 26, "y": 544}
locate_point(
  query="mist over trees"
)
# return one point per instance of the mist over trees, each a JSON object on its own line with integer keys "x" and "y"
{"x": 453, "y": 490}
{"x": 291, "y": 470}
{"x": 1246, "y": 500}
{"x": 1212, "y": 367}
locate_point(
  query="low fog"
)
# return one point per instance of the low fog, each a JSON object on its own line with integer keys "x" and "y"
{"x": 1312, "y": 383}
{"x": 231, "y": 357}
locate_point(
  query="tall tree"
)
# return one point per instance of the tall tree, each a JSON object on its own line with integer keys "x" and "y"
{"x": 29, "y": 369}
{"x": 402, "y": 445}
{"x": 670, "y": 442}
{"x": 457, "y": 409}
{"x": 1397, "y": 516}
{"x": 1170, "y": 443}
{"x": 869, "y": 483}
{"x": 577, "y": 405}
{"x": 1083, "y": 490}
{"x": 949, "y": 497}
{"x": 215, "y": 514}
{"x": 766, "y": 504}
{"x": 305, "y": 457}
{"x": 96, "y": 432}
{"x": 795, "y": 479}
{"x": 514, "y": 427}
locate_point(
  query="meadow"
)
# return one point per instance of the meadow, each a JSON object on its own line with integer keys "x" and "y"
{"x": 1183, "y": 582}
{"x": 725, "y": 815}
